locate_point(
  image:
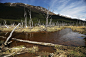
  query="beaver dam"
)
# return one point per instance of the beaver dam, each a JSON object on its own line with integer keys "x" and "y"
{"x": 65, "y": 42}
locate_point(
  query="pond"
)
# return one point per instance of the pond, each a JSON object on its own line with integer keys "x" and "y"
{"x": 63, "y": 37}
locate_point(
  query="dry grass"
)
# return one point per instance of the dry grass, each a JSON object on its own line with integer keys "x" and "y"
{"x": 80, "y": 29}
{"x": 70, "y": 51}
{"x": 20, "y": 49}
{"x": 34, "y": 29}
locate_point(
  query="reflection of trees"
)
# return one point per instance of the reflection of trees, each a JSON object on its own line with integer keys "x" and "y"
{"x": 26, "y": 36}
{"x": 65, "y": 31}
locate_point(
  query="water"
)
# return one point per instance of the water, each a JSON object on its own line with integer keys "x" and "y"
{"x": 63, "y": 37}
{"x": 72, "y": 38}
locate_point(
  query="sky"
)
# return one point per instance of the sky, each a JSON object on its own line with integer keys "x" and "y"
{"x": 70, "y": 8}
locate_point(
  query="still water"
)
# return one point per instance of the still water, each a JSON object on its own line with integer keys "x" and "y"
{"x": 63, "y": 37}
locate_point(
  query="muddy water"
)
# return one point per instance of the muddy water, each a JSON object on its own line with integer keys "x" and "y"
{"x": 63, "y": 37}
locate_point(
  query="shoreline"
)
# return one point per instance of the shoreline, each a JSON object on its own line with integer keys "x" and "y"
{"x": 59, "y": 50}
{"x": 34, "y": 29}
{"x": 80, "y": 29}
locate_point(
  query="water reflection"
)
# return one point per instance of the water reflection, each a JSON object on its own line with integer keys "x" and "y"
{"x": 26, "y": 36}
{"x": 72, "y": 38}
{"x": 63, "y": 37}
{"x": 65, "y": 31}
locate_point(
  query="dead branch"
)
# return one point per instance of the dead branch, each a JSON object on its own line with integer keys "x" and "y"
{"x": 11, "y": 34}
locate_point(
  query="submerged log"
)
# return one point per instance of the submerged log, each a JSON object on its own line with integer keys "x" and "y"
{"x": 34, "y": 42}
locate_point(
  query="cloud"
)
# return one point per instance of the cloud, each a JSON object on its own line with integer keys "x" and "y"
{"x": 70, "y": 8}
{"x": 53, "y": 3}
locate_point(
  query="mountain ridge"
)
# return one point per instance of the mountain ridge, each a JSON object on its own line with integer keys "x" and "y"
{"x": 16, "y": 11}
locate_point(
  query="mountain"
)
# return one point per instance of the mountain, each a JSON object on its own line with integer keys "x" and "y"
{"x": 15, "y": 11}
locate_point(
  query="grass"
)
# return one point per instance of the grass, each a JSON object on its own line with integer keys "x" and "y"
{"x": 19, "y": 49}
{"x": 33, "y": 49}
{"x": 70, "y": 51}
{"x": 80, "y": 29}
{"x": 34, "y": 29}
{"x": 61, "y": 51}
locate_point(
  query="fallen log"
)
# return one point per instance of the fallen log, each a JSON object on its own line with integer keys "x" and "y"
{"x": 34, "y": 42}
{"x": 5, "y": 43}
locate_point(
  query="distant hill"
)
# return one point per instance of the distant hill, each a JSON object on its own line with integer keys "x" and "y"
{"x": 15, "y": 11}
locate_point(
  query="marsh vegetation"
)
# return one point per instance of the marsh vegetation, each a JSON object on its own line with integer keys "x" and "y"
{"x": 46, "y": 37}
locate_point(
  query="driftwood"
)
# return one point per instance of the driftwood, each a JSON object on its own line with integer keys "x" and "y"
{"x": 11, "y": 34}
{"x": 2, "y": 47}
{"x": 34, "y": 42}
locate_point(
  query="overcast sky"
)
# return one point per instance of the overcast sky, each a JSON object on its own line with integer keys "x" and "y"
{"x": 71, "y": 8}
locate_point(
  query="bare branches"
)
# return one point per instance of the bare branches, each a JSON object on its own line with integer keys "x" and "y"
{"x": 5, "y": 24}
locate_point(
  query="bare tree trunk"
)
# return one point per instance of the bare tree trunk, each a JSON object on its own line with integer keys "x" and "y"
{"x": 32, "y": 24}
{"x": 25, "y": 15}
{"x": 30, "y": 21}
{"x": 21, "y": 23}
{"x": 47, "y": 17}
{"x": 11, "y": 34}
{"x": 50, "y": 22}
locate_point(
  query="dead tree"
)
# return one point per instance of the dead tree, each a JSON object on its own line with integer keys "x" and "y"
{"x": 50, "y": 22}
{"x": 5, "y": 24}
{"x": 21, "y": 23}
{"x": 25, "y": 15}
{"x": 30, "y": 21}
{"x": 57, "y": 23}
{"x": 3, "y": 48}
{"x": 32, "y": 24}
{"x": 39, "y": 23}
{"x": 5, "y": 43}
{"x": 83, "y": 23}
{"x": 47, "y": 17}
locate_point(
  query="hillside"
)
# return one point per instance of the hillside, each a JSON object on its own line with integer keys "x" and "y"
{"x": 15, "y": 12}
